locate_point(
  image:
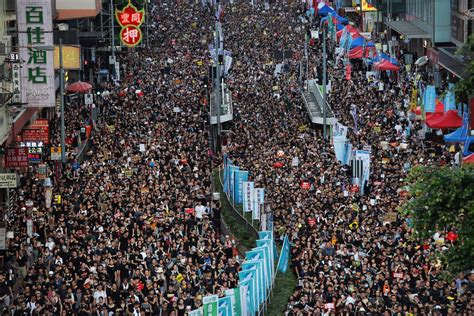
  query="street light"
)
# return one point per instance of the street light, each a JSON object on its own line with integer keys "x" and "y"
{"x": 61, "y": 92}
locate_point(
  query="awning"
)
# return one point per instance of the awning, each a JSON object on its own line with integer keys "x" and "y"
{"x": 408, "y": 29}
{"x": 448, "y": 60}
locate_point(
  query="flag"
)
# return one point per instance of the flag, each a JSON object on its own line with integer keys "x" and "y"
{"x": 258, "y": 267}
{"x": 284, "y": 255}
{"x": 414, "y": 98}
{"x": 248, "y": 280}
{"x": 224, "y": 306}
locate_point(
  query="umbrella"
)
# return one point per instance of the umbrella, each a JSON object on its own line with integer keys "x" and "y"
{"x": 421, "y": 61}
{"x": 79, "y": 86}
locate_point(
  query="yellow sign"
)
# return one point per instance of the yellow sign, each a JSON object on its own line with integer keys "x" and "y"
{"x": 71, "y": 57}
{"x": 55, "y": 153}
{"x": 366, "y": 6}
{"x": 57, "y": 199}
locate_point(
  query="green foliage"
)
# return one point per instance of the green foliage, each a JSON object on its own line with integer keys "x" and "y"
{"x": 464, "y": 89}
{"x": 442, "y": 199}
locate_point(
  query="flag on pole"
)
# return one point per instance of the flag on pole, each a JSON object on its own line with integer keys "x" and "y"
{"x": 284, "y": 255}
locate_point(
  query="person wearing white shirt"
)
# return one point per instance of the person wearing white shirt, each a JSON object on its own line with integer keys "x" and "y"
{"x": 200, "y": 209}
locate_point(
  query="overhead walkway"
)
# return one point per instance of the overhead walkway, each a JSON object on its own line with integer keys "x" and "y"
{"x": 313, "y": 100}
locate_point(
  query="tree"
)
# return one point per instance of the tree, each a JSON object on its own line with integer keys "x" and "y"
{"x": 465, "y": 87}
{"x": 442, "y": 200}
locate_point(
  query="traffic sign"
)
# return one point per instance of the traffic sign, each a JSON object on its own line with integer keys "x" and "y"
{"x": 55, "y": 153}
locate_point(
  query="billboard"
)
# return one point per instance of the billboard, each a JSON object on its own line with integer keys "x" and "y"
{"x": 71, "y": 57}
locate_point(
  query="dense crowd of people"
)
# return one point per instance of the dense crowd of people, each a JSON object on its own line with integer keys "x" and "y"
{"x": 136, "y": 232}
{"x": 358, "y": 256}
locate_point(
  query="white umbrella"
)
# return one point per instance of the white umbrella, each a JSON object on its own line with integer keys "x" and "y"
{"x": 421, "y": 61}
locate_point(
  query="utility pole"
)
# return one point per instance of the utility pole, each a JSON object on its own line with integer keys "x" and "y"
{"x": 112, "y": 34}
{"x": 61, "y": 91}
{"x": 307, "y": 61}
{"x": 324, "y": 83}
{"x": 217, "y": 90}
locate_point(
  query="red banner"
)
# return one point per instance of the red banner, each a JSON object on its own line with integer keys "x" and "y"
{"x": 305, "y": 185}
{"x": 348, "y": 72}
{"x": 16, "y": 157}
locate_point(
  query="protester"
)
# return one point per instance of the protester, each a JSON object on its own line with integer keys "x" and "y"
{"x": 359, "y": 256}
{"x": 135, "y": 232}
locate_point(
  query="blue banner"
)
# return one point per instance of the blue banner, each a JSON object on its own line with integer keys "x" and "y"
{"x": 231, "y": 177}
{"x": 263, "y": 251}
{"x": 224, "y": 306}
{"x": 248, "y": 280}
{"x": 239, "y": 178}
{"x": 284, "y": 255}
{"x": 268, "y": 246}
{"x": 258, "y": 265}
{"x": 268, "y": 235}
{"x": 259, "y": 254}
{"x": 450, "y": 99}
{"x": 227, "y": 163}
{"x": 430, "y": 99}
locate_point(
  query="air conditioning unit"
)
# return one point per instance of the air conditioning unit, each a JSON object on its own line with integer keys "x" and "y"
{"x": 5, "y": 47}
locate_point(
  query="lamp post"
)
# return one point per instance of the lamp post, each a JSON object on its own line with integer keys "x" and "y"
{"x": 324, "y": 85}
{"x": 61, "y": 92}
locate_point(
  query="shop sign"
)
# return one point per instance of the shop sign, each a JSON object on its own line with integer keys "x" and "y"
{"x": 35, "y": 151}
{"x": 16, "y": 157}
{"x": 130, "y": 19}
{"x": 8, "y": 180}
{"x": 16, "y": 80}
{"x": 433, "y": 55}
{"x": 35, "y": 34}
{"x": 42, "y": 171}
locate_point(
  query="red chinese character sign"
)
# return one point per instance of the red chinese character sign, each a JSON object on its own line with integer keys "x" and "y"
{"x": 130, "y": 19}
{"x": 131, "y": 35}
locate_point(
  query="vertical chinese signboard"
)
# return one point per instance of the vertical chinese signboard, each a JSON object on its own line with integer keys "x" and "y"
{"x": 35, "y": 37}
{"x": 130, "y": 19}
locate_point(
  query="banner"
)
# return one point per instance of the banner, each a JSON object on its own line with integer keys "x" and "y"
{"x": 196, "y": 312}
{"x": 239, "y": 177}
{"x": 235, "y": 301}
{"x": 284, "y": 255}
{"x": 227, "y": 163}
{"x": 262, "y": 252}
{"x": 224, "y": 306}
{"x": 210, "y": 305}
{"x": 248, "y": 282}
{"x": 413, "y": 99}
{"x": 258, "y": 201}
{"x": 248, "y": 194}
{"x": 258, "y": 267}
{"x": 266, "y": 243}
{"x": 231, "y": 177}
{"x": 430, "y": 99}
{"x": 450, "y": 99}
{"x": 268, "y": 235}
